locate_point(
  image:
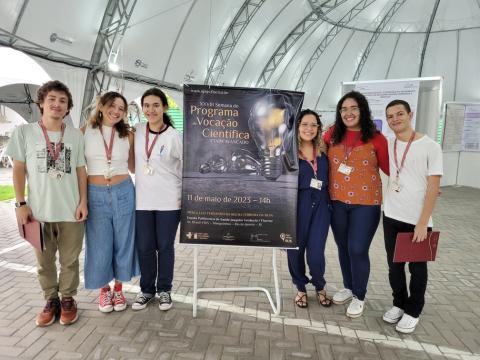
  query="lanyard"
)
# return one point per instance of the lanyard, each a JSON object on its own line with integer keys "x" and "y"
{"x": 54, "y": 153}
{"x": 399, "y": 168}
{"x": 313, "y": 163}
{"x": 148, "y": 150}
{"x": 348, "y": 151}
{"x": 109, "y": 148}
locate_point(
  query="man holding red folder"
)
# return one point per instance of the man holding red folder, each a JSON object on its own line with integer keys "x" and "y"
{"x": 51, "y": 157}
{"x": 415, "y": 171}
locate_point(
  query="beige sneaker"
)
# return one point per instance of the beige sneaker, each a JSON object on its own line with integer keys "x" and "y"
{"x": 355, "y": 309}
{"x": 342, "y": 296}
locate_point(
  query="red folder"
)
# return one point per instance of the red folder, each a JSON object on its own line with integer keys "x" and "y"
{"x": 33, "y": 233}
{"x": 408, "y": 251}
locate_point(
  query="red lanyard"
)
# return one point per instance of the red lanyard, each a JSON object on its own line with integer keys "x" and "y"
{"x": 404, "y": 153}
{"x": 148, "y": 150}
{"x": 54, "y": 153}
{"x": 109, "y": 148}
{"x": 348, "y": 151}
{"x": 313, "y": 163}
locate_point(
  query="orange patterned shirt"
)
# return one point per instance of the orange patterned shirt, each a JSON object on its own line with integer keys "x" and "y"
{"x": 363, "y": 185}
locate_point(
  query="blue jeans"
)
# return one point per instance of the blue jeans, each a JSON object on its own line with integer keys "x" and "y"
{"x": 313, "y": 221}
{"x": 154, "y": 238}
{"x": 109, "y": 243}
{"x": 353, "y": 228}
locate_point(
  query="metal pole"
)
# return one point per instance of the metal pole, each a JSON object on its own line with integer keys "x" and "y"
{"x": 195, "y": 279}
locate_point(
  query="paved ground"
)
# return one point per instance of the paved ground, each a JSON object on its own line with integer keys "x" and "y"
{"x": 240, "y": 325}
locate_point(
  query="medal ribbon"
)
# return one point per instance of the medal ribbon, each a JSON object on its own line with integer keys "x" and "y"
{"x": 148, "y": 150}
{"x": 109, "y": 148}
{"x": 54, "y": 153}
{"x": 313, "y": 163}
{"x": 399, "y": 168}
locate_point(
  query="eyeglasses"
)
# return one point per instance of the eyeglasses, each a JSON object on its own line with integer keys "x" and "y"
{"x": 353, "y": 109}
{"x": 313, "y": 126}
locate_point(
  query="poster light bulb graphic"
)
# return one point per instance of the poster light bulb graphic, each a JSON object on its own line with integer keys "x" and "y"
{"x": 268, "y": 126}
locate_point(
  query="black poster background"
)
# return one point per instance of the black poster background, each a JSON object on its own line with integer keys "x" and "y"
{"x": 232, "y": 194}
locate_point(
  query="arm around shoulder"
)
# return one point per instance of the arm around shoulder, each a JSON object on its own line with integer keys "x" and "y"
{"x": 381, "y": 148}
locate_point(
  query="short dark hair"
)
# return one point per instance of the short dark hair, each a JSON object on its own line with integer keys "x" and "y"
{"x": 163, "y": 98}
{"x": 405, "y": 104}
{"x": 53, "y": 85}
{"x": 368, "y": 128}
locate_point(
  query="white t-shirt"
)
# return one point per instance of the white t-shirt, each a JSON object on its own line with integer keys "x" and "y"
{"x": 51, "y": 199}
{"x": 423, "y": 159}
{"x": 161, "y": 190}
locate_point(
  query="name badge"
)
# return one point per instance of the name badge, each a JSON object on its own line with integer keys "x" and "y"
{"x": 316, "y": 184}
{"x": 345, "y": 169}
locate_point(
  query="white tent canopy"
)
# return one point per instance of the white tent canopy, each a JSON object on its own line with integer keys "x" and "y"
{"x": 177, "y": 41}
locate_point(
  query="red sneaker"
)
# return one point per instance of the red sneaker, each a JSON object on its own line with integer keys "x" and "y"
{"x": 105, "y": 301}
{"x": 119, "y": 302}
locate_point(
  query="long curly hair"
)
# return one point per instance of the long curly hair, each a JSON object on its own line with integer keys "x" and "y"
{"x": 318, "y": 140}
{"x": 96, "y": 119}
{"x": 367, "y": 125}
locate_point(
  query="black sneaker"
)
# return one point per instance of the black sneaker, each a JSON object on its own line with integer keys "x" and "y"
{"x": 141, "y": 301}
{"x": 165, "y": 300}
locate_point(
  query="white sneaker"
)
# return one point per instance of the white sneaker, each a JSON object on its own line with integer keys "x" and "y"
{"x": 407, "y": 324}
{"x": 355, "y": 309}
{"x": 393, "y": 315}
{"x": 342, "y": 296}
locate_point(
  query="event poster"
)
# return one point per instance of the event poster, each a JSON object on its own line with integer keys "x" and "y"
{"x": 471, "y": 128}
{"x": 240, "y": 172}
{"x": 453, "y": 129}
{"x": 380, "y": 93}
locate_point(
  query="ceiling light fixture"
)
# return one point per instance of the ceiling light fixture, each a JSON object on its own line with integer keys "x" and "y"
{"x": 54, "y": 37}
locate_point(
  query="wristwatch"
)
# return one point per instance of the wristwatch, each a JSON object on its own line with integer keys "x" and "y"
{"x": 20, "y": 203}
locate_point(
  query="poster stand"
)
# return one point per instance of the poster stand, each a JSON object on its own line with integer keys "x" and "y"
{"x": 197, "y": 290}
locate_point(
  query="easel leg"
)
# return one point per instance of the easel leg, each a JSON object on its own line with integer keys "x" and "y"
{"x": 276, "y": 310}
{"x": 195, "y": 280}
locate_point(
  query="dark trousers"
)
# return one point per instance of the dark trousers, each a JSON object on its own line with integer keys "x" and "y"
{"x": 413, "y": 304}
{"x": 154, "y": 238}
{"x": 313, "y": 221}
{"x": 353, "y": 228}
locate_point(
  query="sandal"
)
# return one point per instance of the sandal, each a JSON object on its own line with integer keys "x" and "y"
{"x": 301, "y": 300}
{"x": 323, "y": 299}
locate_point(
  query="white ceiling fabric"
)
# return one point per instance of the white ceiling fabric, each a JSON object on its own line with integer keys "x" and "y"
{"x": 178, "y": 38}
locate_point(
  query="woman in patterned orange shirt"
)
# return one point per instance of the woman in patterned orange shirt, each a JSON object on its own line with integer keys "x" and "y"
{"x": 356, "y": 152}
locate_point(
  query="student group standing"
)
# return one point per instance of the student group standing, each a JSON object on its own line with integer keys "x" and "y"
{"x": 130, "y": 231}
{"x": 356, "y": 154}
